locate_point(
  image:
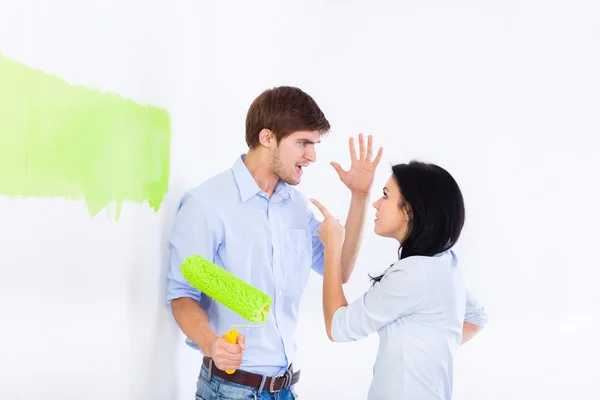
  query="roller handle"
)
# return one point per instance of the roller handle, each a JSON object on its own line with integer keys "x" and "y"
{"x": 231, "y": 337}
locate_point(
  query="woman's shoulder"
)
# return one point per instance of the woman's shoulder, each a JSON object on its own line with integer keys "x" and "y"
{"x": 421, "y": 273}
{"x": 414, "y": 264}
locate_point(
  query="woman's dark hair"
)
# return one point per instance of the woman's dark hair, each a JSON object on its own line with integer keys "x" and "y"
{"x": 436, "y": 208}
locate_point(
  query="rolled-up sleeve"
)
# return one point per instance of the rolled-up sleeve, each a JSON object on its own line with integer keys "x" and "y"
{"x": 475, "y": 313}
{"x": 397, "y": 294}
{"x": 195, "y": 231}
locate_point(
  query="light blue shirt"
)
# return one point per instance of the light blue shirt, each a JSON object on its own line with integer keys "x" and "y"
{"x": 270, "y": 243}
{"x": 418, "y": 309}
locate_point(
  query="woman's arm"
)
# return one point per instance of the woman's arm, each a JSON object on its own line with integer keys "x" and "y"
{"x": 333, "y": 292}
{"x": 469, "y": 332}
{"x": 332, "y": 237}
{"x": 353, "y": 236}
{"x": 475, "y": 313}
{"x": 475, "y": 319}
{"x": 399, "y": 293}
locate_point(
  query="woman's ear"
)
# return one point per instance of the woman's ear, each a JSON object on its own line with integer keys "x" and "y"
{"x": 407, "y": 211}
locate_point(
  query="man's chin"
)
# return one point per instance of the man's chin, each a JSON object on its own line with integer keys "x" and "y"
{"x": 293, "y": 183}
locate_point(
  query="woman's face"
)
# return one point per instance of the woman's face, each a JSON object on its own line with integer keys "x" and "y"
{"x": 392, "y": 218}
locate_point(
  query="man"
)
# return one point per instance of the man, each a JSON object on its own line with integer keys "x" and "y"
{"x": 251, "y": 221}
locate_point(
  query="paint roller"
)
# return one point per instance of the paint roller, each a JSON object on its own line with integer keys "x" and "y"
{"x": 222, "y": 286}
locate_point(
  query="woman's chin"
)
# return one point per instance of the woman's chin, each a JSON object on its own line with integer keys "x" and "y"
{"x": 376, "y": 231}
{"x": 379, "y": 232}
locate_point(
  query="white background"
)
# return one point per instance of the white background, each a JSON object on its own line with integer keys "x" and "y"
{"x": 505, "y": 95}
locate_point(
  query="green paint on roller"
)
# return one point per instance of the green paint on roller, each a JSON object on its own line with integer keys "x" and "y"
{"x": 74, "y": 142}
{"x": 226, "y": 288}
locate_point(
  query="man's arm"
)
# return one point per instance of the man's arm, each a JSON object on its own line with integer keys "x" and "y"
{"x": 354, "y": 232}
{"x": 193, "y": 322}
{"x": 196, "y": 231}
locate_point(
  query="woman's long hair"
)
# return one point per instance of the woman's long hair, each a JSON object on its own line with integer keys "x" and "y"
{"x": 436, "y": 209}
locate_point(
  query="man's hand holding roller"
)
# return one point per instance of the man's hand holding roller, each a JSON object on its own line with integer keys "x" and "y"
{"x": 228, "y": 356}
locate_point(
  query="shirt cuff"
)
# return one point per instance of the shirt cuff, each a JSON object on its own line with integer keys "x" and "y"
{"x": 339, "y": 326}
{"x": 479, "y": 319}
{"x": 176, "y": 293}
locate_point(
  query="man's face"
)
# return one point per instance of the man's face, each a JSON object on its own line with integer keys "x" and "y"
{"x": 294, "y": 153}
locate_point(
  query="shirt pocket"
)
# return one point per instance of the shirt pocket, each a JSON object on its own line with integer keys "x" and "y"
{"x": 297, "y": 260}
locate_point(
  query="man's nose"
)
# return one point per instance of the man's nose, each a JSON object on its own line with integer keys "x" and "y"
{"x": 310, "y": 154}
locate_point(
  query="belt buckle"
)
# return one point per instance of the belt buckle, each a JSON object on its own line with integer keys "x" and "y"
{"x": 287, "y": 380}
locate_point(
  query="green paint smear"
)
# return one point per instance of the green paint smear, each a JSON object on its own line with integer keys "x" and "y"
{"x": 70, "y": 141}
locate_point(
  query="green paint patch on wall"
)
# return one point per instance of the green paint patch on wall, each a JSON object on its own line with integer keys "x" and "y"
{"x": 74, "y": 142}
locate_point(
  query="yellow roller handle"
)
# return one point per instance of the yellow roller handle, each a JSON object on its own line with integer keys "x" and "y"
{"x": 231, "y": 337}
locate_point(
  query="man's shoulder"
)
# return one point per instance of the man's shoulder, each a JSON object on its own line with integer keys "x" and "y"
{"x": 213, "y": 190}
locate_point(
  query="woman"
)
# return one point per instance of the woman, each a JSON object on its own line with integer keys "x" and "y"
{"x": 418, "y": 305}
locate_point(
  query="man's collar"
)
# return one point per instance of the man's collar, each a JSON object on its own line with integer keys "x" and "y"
{"x": 248, "y": 187}
{"x": 284, "y": 190}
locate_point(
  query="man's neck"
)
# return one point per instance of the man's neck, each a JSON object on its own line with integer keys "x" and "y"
{"x": 258, "y": 165}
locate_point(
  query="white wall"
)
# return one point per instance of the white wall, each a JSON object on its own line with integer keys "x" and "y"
{"x": 82, "y": 299}
{"x": 504, "y": 95}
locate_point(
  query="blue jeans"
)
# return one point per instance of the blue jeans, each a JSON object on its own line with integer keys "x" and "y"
{"x": 219, "y": 389}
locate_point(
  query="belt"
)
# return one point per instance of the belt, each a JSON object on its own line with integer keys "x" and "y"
{"x": 272, "y": 383}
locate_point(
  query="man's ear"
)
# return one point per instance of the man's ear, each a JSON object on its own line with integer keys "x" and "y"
{"x": 267, "y": 138}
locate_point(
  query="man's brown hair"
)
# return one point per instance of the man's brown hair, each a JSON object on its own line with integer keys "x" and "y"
{"x": 284, "y": 110}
